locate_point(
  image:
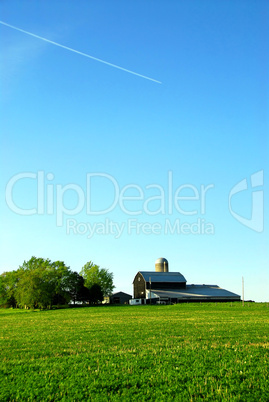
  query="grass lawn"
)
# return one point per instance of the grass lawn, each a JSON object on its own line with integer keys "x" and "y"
{"x": 183, "y": 352}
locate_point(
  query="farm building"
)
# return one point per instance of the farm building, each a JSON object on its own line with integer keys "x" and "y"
{"x": 118, "y": 298}
{"x": 162, "y": 286}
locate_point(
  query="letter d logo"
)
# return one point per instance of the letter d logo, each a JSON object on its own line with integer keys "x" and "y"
{"x": 257, "y": 208}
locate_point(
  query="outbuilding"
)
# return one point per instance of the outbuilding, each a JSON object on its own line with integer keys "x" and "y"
{"x": 120, "y": 298}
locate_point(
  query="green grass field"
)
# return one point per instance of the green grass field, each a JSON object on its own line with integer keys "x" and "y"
{"x": 184, "y": 352}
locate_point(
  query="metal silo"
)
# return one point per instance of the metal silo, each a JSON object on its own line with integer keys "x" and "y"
{"x": 161, "y": 265}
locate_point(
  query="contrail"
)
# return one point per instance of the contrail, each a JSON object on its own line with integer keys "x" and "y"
{"x": 81, "y": 53}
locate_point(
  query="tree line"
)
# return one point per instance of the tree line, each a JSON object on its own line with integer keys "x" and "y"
{"x": 40, "y": 283}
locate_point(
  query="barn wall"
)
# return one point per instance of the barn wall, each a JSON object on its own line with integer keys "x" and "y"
{"x": 139, "y": 287}
{"x": 167, "y": 285}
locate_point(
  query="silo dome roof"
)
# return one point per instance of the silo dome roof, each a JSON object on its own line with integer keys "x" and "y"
{"x": 161, "y": 261}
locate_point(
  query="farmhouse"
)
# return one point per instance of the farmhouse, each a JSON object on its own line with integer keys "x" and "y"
{"x": 162, "y": 286}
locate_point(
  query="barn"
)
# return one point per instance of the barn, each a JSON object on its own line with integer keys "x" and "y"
{"x": 162, "y": 286}
{"x": 119, "y": 298}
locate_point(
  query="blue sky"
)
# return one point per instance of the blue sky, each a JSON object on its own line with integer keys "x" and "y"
{"x": 75, "y": 132}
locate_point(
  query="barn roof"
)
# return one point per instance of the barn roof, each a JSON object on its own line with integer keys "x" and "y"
{"x": 195, "y": 292}
{"x": 121, "y": 294}
{"x": 163, "y": 276}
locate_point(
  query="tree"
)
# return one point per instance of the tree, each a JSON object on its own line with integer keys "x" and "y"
{"x": 3, "y": 292}
{"x": 40, "y": 282}
{"x": 94, "y": 275}
{"x": 95, "y": 294}
{"x": 62, "y": 275}
{"x": 74, "y": 285}
{"x": 8, "y": 286}
{"x": 35, "y": 289}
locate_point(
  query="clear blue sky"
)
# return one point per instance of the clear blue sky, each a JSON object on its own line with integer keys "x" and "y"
{"x": 69, "y": 117}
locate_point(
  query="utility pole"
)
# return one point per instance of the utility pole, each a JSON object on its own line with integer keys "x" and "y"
{"x": 150, "y": 289}
{"x": 243, "y": 291}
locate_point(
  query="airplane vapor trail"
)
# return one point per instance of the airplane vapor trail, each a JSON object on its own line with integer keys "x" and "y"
{"x": 78, "y": 52}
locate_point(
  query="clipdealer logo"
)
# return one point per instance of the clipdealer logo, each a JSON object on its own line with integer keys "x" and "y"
{"x": 185, "y": 200}
{"x": 135, "y": 227}
{"x": 256, "y": 201}
{"x": 131, "y": 199}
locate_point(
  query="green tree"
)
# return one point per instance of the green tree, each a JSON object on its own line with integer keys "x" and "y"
{"x": 35, "y": 288}
{"x": 62, "y": 275}
{"x": 8, "y": 286}
{"x": 74, "y": 286}
{"x": 94, "y": 275}
{"x": 95, "y": 294}
{"x": 40, "y": 282}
